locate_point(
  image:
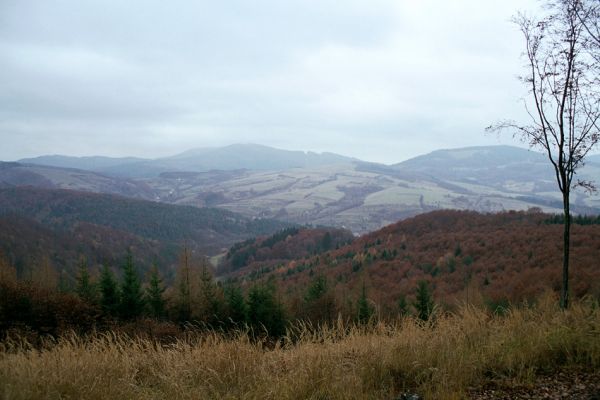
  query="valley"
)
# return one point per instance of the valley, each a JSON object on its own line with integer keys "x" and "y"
{"x": 322, "y": 189}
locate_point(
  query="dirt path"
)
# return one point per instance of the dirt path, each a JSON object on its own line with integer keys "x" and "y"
{"x": 568, "y": 384}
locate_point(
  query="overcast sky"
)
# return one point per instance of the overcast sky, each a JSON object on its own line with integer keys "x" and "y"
{"x": 375, "y": 79}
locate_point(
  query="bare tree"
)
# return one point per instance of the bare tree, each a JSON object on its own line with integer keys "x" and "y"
{"x": 589, "y": 16}
{"x": 564, "y": 97}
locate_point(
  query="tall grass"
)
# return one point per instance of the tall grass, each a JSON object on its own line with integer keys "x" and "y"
{"x": 438, "y": 360}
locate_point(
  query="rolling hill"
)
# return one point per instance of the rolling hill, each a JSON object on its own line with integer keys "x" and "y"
{"x": 465, "y": 256}
{"x": 57, "y": 222}
{"x": 14, "y": 174}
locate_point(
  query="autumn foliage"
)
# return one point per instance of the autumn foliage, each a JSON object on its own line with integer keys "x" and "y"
{"x": 466, "y": 257}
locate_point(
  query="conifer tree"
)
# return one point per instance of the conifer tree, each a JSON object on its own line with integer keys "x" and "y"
{"x": 265, "y": 311}
{"x": 184, "y": 300}
{"x": 86, "y": 290}
{"x": 424, "y": 301}
{"x": 237, "y": 309}
{"x": 319, "y": 302}
{"x": 365, "y": 310}
{"x": 132, "y": 300}
{"x": 210, "y": 306}
{"x": 402, "y": 306}
{"x": 109, "y": 292}
{"x": 154, "y": 294}
{"x": 317, "y": 289}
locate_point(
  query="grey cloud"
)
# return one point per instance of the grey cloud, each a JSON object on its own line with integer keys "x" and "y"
{"x": 149, "y": 77}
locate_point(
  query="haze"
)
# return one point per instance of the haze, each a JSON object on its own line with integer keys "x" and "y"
{"x": 377, "y": 80}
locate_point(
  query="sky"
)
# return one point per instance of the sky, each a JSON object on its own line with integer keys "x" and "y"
{"x": 380, "y": 80}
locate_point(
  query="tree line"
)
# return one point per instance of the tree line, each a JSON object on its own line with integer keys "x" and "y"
{"x": 194, "y": 299}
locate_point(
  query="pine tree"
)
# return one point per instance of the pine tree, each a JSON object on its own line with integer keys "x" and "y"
{"x": 402, "y": 306}
{"x": 184, "y": 299}
{"x": 109, "y": 292}
{"x": 210, "y": 306}
{"x": 132, "y": 300}
{"x": 365, "y": 310}
{"x": 264, "y": 311}
{"x": 326, "y": 242}
{"x": 319, "y": 302}
{"x": 423, "y": 302}
{"x": 317, "y": 289}
{"x": 86, "y": 290}
{"x": 154, "y": 294}
{"x": 237, "y": 309}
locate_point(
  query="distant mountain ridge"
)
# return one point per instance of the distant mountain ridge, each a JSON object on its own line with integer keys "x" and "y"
{"x": 233, "y": 157}
{"x": 92, "y": 163}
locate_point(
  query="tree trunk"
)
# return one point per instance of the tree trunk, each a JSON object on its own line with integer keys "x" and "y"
{"x": 564, "y": 294}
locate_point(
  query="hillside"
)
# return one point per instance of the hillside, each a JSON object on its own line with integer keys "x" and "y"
{"x": 509, "y": 169}
{"x": 35, "y": 250}
{"x": 283, "y": 246}
{"x": 50, "y": 177}
{"x": 466, "y": 256}
{"x": 104, "y": 225}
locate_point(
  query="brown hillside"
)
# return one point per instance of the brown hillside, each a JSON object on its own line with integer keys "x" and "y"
{"x": 464, "y": 255}
{"x": 288, "y": 244}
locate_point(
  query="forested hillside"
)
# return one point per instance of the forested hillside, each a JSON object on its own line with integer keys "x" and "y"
{"x": 463, "y": 256}
{"x": 285, "y": 245}
{"x": 62, "y": 225}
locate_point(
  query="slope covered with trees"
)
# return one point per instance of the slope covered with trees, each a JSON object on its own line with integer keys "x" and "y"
{"x": 60, "y": 226}
{"x": 285, "y": 245}
{"x": 462, "y": 256}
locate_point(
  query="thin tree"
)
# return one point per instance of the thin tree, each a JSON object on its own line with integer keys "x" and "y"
{"x": 236, "y": 307}
{"x": 132, "y": 299}
{"x": 402, "y": 305}
{"x": 109, "y": 292}
{"x": 154, "y": 294}
{"x": 319, "y": 302}
{"x": 423, "y": 301}
{"x": 265, "y": 312}
{"x": 365, "y": 310}
{"x": 564, "y": 98}
{"x": 184, "y": 290}
{"x": 589, "y": 15}
{"x": 209, "y": 301}
{"x": 85, "y": 288}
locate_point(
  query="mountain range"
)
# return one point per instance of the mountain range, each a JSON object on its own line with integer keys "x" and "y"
{"x": 237, "y": 156}
{"x": 318, "y": 189}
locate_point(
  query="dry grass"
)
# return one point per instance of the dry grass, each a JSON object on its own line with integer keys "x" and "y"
{"x": 439, "y": 361}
